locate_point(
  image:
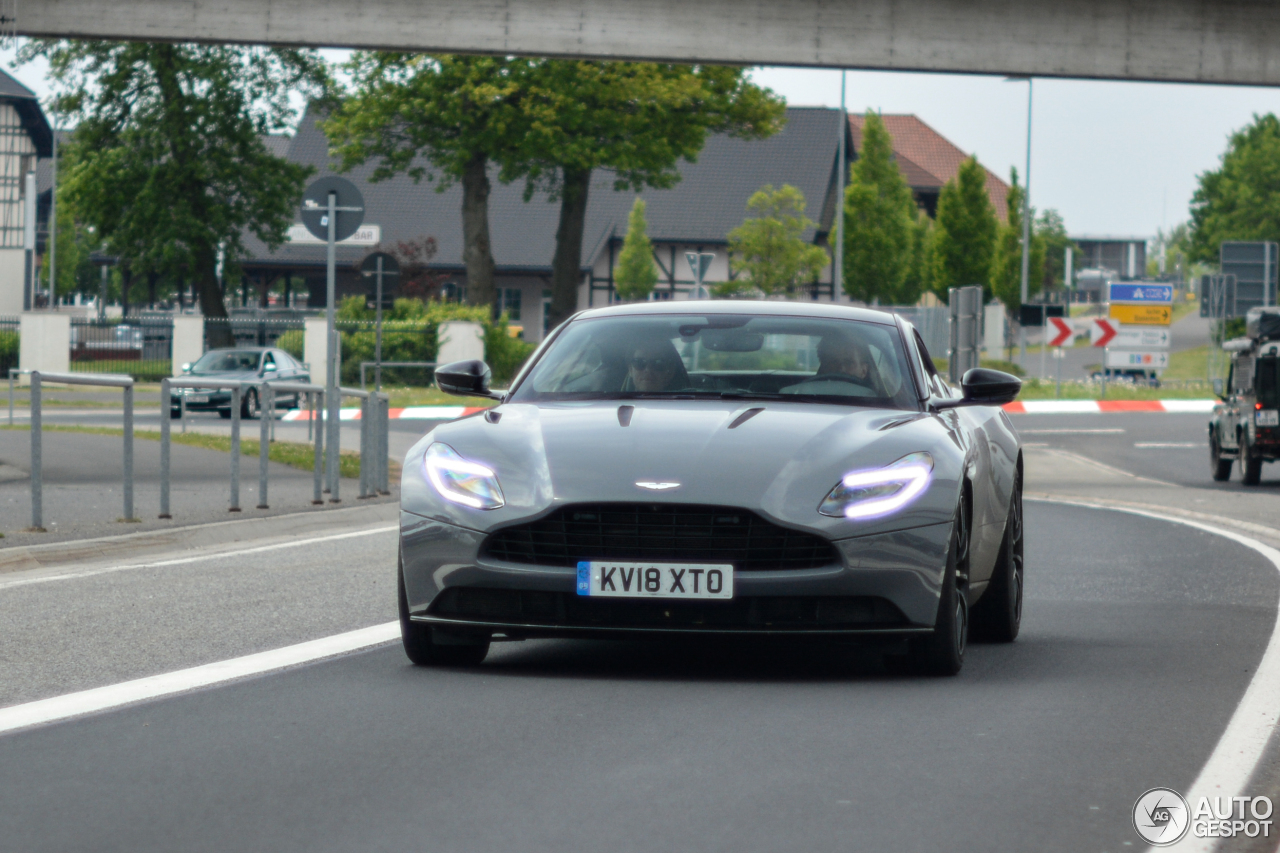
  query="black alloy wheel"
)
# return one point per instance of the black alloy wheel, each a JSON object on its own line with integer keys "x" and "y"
{"x": 997, "y": 617}
{"x": 941, "y": 652}
{"x": 1220, "y": 468}
{"x": 249, "y": 407}
{"x": 419, "y": 643}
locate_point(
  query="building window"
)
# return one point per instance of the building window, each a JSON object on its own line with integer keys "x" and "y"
{"x": 17, "y": 156}
{"x": 508, "y": 300}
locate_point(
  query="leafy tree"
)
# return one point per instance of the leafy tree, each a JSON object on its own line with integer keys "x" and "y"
{"x": 443, "y": 118}
{"x": 920, "y": 269}
{"x": 415, "y": 280}
{"x": 965, "y": 231}
{"x": 637, "y": 273}
{"x": 1006, "y": 270}
{"x": 637, "y": 120}
{"x": 1240, "y": 200}
{"x": 769, "y": 247}
{"x": 879, "y": 220}
{"x": 1051, "y": 235}
{"x": 167, "y": 160}
{"x": 75, "y": 242}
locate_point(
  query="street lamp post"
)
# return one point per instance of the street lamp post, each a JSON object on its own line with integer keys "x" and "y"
{"x": 837, "y": 273}
{"x": 1026, "y": 230}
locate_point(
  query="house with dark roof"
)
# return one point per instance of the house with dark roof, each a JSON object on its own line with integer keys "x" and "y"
{"x": 25, "y": 137}
{"x": 696, "y": 215}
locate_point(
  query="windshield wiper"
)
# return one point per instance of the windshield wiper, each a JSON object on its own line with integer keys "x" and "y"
{"x": 755, "y": 395}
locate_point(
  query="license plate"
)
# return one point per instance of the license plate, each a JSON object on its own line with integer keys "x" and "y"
{"x": 655, "y": 580}
{"x": 1269, "y": 417}
{"x": 197, "y": 398}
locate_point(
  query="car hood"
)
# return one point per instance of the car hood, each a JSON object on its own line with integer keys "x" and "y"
{"x": 781, "y": 460}
{"x": 227, "y": 376}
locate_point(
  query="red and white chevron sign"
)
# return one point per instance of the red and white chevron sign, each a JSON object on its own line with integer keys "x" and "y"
{"x": 1062, "y": 330}
{"x": 1103, "y": 331}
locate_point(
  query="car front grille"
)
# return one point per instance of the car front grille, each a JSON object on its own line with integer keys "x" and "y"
{"x": 763, "y": 613}
{"x": 681, "y": 533}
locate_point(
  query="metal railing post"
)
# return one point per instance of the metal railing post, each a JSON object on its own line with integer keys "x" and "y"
{"x": 37, "y": 476}
{"x": 332, "y": 423}
{"x": 236, "y": 393}
{"x": 317, "y": 404}
{"x": 384, "y": 452}
{"x": 365, "y": 455}
{"x": 166, "y": 415}
{"x": 11, "y": 396}
{"x": 266, "y": 403}
{"x": 128, "y": 451}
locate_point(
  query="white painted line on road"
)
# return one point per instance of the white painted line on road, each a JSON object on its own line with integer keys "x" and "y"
{"x": 179, "y": 561}
{"x": 1102, "y": 466}
{"x": 1257, "y": 715}
{"x": 128, "y": 692}
{"x": 1154, "y": 444}
{"x": 1112, "y": 431}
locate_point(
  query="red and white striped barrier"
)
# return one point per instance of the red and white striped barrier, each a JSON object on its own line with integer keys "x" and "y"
{"x": 419, "y": 413}
{"x": 1093, "y": 407}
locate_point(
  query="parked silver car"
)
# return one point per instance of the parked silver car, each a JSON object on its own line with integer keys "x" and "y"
{"x": 246, "y": 364}
{"x": 730, "y": 468}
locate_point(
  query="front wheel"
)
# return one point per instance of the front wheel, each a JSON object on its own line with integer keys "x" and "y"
{"x": 1220, "y": 468}
{"x": 250, "y": 408}
{"x": 998, "y": 614}
{"x": 941, "y": 652}
{"x": 419, "y": 645}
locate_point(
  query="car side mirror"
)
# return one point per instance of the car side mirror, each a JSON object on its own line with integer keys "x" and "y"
{"x": 186, "y": 368}
{"x": 983, "y": 386}
{"x": 1218, "y": 388}
{"x": 466, "y": 379}
{"x": 269, "y": 368}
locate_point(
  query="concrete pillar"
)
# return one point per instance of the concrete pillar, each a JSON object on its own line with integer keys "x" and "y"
{"x": 459, "y": 340}
{"x": 188, "y": 341}
{"x": 315, "y": 347}
{"x": 46, "y": 343}
{"x": 993, "y": 330}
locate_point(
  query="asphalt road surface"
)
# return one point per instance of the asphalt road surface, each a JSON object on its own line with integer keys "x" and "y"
{"x": 1139, "y": 638}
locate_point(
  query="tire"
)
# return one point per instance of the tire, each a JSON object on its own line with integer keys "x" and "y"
{"x": 225, "y": 414}
{"x": 174, "y": 414}
{"x": 419, "y": 645}
{"x": 249, "y": 407}
{"x": 997, "y": 616}
{"x": 941, "y": 652}
{"x": 1220, "y": 468}
{"x": 1251, "y": 466}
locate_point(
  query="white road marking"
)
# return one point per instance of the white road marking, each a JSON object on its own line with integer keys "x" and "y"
{"x": 1257, "y": 715}
{"x": 1156, "y": 444}
{"x": 1102, "y": 466}
{"x": 128, "y": 692}
{"x": 1111, "y": 431}
{"x": 179, "y": 561}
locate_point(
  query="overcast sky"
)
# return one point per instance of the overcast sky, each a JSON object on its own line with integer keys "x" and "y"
{"x": 1113, "y": 158}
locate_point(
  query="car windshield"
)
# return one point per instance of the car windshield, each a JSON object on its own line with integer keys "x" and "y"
{"x": 835, "y": 361}
{"x": 224, "y": 361}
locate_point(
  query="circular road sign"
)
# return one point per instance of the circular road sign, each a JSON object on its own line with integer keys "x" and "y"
{"x": 315, "y": 208}
{"x": 390, "y": 266}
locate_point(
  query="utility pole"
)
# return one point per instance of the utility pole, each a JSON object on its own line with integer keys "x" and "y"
{"x": 1026, "y": 237}
{"x": 53, "y": 217}
{"x": 837, "y": 273}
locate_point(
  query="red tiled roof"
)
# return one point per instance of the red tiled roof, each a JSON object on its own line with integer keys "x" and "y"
{"x": 928, "y": 159}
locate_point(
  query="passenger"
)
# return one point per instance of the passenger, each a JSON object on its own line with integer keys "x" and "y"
{"x": 655, "y": 365}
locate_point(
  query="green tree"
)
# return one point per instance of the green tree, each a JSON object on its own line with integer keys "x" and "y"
{"x": 1241, "y": 199}
{"x": 770, "y": 248}
{"x": 1051, "y": 235}
{"x": 920, "y": 269}
{"x": 167, "y": 161}
{"x": 636, "y": 273}
{"x": 636, "y": 119}
{"x": 443, "y": 118}
{"x": 879, "y": 220}
{"x": 965, "y": 231}
{"x": 74, "y": 243}
{"x": 1006, "y": 268}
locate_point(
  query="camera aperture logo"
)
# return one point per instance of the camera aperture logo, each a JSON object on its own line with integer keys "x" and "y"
{"x": 1161, "y": 817}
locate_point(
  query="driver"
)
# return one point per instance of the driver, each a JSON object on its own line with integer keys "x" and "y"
{"x": 840, "y": 356}
{"x": 654, "y": 365}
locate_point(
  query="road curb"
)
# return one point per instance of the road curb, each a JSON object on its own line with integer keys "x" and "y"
{"x": 1250, "y": 527}
{"x": 192, "y": 536}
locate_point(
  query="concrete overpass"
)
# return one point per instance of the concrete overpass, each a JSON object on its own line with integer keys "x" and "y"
{"x": 1203, "y": 41}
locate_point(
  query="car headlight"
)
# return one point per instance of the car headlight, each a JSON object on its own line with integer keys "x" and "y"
{"x": 879, "y": 491}
{"x": 461, "y": 481}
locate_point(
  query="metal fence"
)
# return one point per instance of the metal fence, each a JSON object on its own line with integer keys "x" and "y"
{"x": 140, "y": 347}
{"x": 931, "y": 323}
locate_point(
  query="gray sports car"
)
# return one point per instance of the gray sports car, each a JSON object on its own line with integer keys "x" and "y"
{"x": 727, "y": 468}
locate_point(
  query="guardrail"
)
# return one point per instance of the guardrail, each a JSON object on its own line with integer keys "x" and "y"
{"x": 37, "y": 434}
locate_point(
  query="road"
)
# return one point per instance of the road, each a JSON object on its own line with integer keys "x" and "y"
{"x": 1140, "y": 637}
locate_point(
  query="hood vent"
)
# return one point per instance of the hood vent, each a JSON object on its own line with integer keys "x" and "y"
{"x": 744, "y": 417}
{"x": 624, "y": 415}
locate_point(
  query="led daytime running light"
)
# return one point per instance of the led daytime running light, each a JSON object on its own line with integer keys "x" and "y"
{"x": 461, "y": 481}
{"x": 881, "y": 491}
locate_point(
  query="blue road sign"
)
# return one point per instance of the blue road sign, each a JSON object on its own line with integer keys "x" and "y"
{"x": 1141, "y": 292}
